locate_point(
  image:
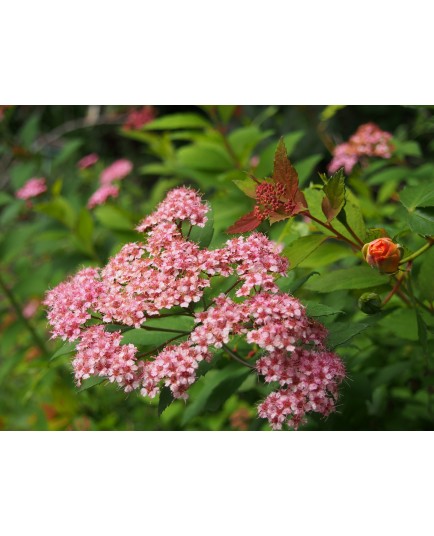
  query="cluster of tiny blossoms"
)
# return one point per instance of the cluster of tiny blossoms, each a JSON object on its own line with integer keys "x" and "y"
{"x": 32, "y": 188}
{"x": 146, "y": 279}
{"x": 115, "y": 172}
{"x": 368, "y": 140}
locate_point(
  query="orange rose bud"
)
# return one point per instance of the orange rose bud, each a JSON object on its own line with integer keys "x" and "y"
{"x": 383, "y": 254}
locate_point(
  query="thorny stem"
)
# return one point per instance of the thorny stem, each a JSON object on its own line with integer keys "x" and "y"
{"x": 237, "y": 357}
{"x": 10, "y": 295}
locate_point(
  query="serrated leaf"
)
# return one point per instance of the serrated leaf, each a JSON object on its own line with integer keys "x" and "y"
{"x": 357, "y": 277}
{"x": 166, "y": 398}
{"x": 342, "y": 332}
{"x": 421, "y": 195}
{"x": 421, "y": 221}
{"x": 334, "y": 199}
{"x": 178, "y": 121}
{"x": 246, "y": 223}
{"x": 315, "y": 309}
{"x": 301, "y": 248}
{"x": 284, "y": 172}
{"x": 265, "y": 166}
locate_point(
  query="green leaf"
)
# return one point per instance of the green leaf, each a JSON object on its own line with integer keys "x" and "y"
{"x": 30, "y": 130}
{"x": 334, "y": 199}
{"x": 67, "y": 348}
{"x": 90, "y": 382}
{"x": 328, "y": 253}
{"x": 330, "y": 111}
{"x": 166, "y": 398}
{"x": 315, "y": 309}
{"x": 59, "y": 209}
{"x": 301, "y": 248}
{"x": 142, "y": 337}
{"x": 244, "y": 140}
{"x": 113, "y": 218}
{"x": 203, "y": 235}
{"x": 298, "y": 283}
{"x": 342, "y": 332}
{"x": 421, "y": 221}
{"x": 178, "y": 121}
{"x": 306, "y": 167}
{"x": 205, "y": 156}
{"x": 68, "y": 150}
{"x": 226, "y": 112}
{"x": 425, "y": 280}
{"x": 421, "y": 195}
{"x": 6, "y": 198}
{"x": 247, "y": 186}
{"x": 84, "y": 230}
{"x": 389, "y": 174}
{"x": 357, "y": 277}
{"x": 216, "y": 388}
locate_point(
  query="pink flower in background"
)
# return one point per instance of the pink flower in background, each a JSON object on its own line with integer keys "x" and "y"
{"x": 88, "y": 161}
{"x": 102, "y": 194}
{"x": 368, "y": 140}
{"x": 32, "y": 188}
{"x": 116, "y": 171}
{"x": 137, "y": 118}
{"x": 31, "y": 307}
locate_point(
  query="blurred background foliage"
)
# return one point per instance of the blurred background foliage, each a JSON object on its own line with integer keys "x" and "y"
{"x": 42, "y": 240}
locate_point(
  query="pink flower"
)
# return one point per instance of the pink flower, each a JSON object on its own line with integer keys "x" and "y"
{"x": 311, "y": 379}
{"x": 176, "y": 366}
{"x": 139, "y": 118}
{"x": 116, "y": 171}
{"x": 180, "y": 204}
{"x": 69, "y": 303}
{"x": 100, "y": 353}
{"x": 368, "y": 140}
{"x": 102, "y": 194}
{"x": 32, "y": 188}
{"x": 31, "y": 307}
{"x": 88, "y": 161}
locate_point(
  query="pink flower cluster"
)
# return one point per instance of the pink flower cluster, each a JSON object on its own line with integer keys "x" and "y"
{"x": 138, "y": 118}
{"x": 310, "y": 379}
{"x": 32, "y": 188}
{"x": 100, "y": 353}
{"x": 368, "y": 140}
{"x": 88, "y": 161}
{"x": 167, "y": 270}
{"x": 116, "y": 171}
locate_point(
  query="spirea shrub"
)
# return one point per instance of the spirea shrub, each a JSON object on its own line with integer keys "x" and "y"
{"x": 167, "y": 274}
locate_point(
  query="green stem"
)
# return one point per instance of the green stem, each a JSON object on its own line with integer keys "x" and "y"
{"x": 334, "y": 231}
{"x": 237, "y": 357}
{"x": 38, "y": 341}
{"x": 418, "y": 252}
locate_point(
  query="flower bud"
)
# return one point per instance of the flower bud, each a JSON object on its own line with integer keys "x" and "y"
{"x": 370, "y": 303}
{"x": 383, "y": 254}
